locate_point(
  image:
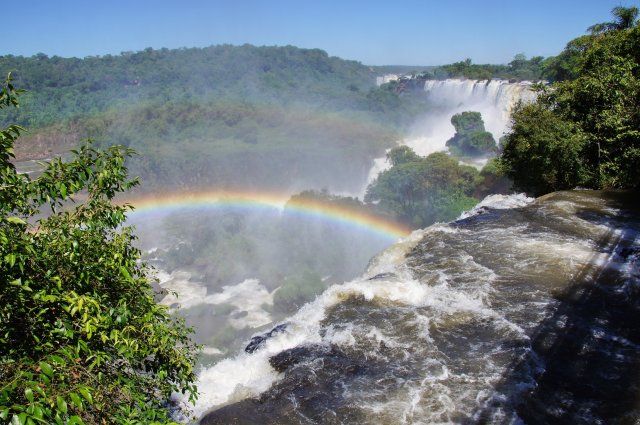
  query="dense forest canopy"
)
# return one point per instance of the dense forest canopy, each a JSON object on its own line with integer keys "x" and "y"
{"x": 583, "y": 131}
{"x": 201, "y": 115}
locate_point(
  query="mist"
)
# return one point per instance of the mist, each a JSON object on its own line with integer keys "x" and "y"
{"x": 285, "y": 121}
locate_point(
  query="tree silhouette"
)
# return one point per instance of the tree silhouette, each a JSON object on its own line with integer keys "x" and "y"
{"x": 625, "y": 18}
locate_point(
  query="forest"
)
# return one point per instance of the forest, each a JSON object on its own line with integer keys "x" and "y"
{"x": 583, "y": 131}
{"x": 232, "y": 107}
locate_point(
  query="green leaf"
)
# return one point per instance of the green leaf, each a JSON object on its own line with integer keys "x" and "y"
{"x": 28, "y": 393}
{"x": 75, "y": 420}
{"x": 4, "y": 414}
{"x": 16, "y": 220}
{"x": 57, "y": 359}
{"x": 76, "y": 400}
{"x": 37, "y": 413}
{"x": 19, "y": 419}
{"x": 125, "y": 272}
{"x": 62, "y": 405}
{"x": 86, "y": 394}
{"x": 46, "y": 369}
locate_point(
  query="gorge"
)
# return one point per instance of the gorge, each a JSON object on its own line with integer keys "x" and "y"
{"x": 461, "y": 322}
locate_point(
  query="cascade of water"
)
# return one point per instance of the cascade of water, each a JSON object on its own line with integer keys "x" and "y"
{"x": 494, "y": 99}
{"x": 455, "y": 325}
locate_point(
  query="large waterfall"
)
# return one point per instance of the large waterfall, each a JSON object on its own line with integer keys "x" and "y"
{"x": 494, "y": 99}
{"x": 520, "y": 311}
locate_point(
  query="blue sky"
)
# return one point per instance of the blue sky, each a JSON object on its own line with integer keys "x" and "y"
{"x": 409, "y": 32}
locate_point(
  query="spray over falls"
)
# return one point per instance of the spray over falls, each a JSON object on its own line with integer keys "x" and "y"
{"x": 499, "y": 317}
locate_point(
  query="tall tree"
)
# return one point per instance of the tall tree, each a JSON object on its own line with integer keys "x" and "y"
{"x": 625, "y": 18}
{"x": 593, "y": 118}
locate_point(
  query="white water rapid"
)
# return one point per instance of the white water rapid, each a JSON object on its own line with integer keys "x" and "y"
{"x": 523, "y": 312}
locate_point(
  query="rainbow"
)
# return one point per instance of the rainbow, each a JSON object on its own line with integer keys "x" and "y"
{"x": 148, "y": 206}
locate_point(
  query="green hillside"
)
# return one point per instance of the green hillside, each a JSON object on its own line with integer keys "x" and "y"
{"x": 227, "y": 115}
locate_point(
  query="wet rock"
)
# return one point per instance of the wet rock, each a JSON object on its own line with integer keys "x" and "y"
{"x": 330, "y": 356}
{"x": 382, "y": 276}
{"x": 258, "y": 341}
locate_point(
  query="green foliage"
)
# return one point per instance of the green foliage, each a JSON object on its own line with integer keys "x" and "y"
{"x": 205, "y": 116}
{"x": 625, "y": 18}
{"x": 520, "y": 68}
{"x": 585, "y": 130}
{"x": 422, "y": 191}
{"x": 82, "y": 341}
{"x": 402, "y": 155}
{"x": 542, "y": 153}
{"x": 471, "y": 139}
{"x": 492, "y": 180}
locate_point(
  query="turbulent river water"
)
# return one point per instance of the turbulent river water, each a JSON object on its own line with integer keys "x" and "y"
{"x": 522, "y": 311}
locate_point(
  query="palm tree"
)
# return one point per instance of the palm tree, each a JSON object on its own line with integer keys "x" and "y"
{"x": 626, "y": 18}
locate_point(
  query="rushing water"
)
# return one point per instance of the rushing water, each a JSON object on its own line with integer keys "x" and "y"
{"x": 494, "y": 99}
{"x": 522, "y": 311}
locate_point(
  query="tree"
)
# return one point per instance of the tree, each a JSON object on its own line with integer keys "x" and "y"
{"x": 422, "y": 190}
{"x": 471, "y": 138}
{"x": 625, "y": 18}
{"x": 587, "y": 126}
{"x": 402, "y": 155}
{"x": 82, "y": 340}
{"x": 542, "y": 153}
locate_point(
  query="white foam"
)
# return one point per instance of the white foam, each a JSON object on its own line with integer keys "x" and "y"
{"x": 248, "y": 297}
{"x": 249, "y": 374}
{"x": 500, "y": 202}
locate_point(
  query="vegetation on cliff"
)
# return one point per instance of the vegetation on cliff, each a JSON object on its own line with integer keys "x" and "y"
{"x": 583, "y": 131}
{"x": 471, "y": 139}
{"x": 419, "y": 191}
{"x": 81, "y": 338}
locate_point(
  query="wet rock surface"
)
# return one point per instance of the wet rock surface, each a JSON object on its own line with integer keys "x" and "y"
{"x": 314, "y": 382}
{"x": 258, "y": 341}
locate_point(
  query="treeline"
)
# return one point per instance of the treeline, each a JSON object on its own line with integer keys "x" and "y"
{"x": 537, "y": 68}
{"x": 583, "y": 131}
{"x": 520, "y": 68}
{"x": 64, "y": 87}
{"x": 61, "y": 88}
{"x": 199, "y": 116}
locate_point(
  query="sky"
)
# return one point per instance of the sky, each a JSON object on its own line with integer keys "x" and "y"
{"x": 409, "y": 32}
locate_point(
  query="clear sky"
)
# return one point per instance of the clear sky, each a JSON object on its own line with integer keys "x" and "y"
{"x": 402, "y": 32}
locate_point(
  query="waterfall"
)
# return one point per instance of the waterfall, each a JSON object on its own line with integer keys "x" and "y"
{"x": 494, "y": 99}
{"x": 521, "y": 311}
